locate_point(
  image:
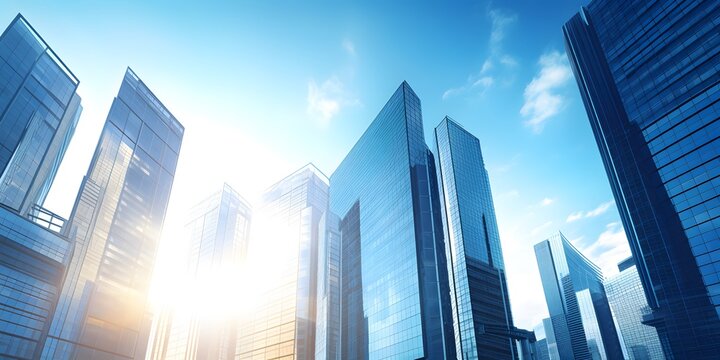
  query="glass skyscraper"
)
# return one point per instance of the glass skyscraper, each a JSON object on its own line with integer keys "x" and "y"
{"x": 649, "y": 76}
{"x": 33, "y": 261}
{"x": 286, "y": 228}
{"x": 395, "y": 292}
{"x": 481, "y": 308}
{"x": 582, "y": 323}
{"x": 39, "y": 110}
{"x": 551, "y": 342}
{"x": 628, "y": 304}
{"x": 219, "y": 230}
{"x": 327, "y": 323}
{"x": 115, "y": 226}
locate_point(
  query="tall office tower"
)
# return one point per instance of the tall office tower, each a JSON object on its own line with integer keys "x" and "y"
{"x": 581, "y": 318}
{"x": 38, "y": 113}
{"x": 395, "y": 295}
{"x": 219, "y": 230}
{"x": 481, "y": 307}
{"x": 115, "y": 225}
{"x": 551, "y": 342}
{"x": 39, "y": 110}
{"x": 649, "y": 75}
{"x": 628, "y": 304}
{"x": 327, "y": 324}
{"x": 286, "y": 228}
{"x": 541, "y": 349}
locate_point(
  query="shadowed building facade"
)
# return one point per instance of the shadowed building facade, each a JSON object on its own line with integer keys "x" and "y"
{"x": 115, "y": 225}
{"x": 648, "y": 73}
{"x": 582, "y": 323}
{"x": 39, "y": 110}
{"x": 395, "y": 292}
{"x": 481, "y": 307}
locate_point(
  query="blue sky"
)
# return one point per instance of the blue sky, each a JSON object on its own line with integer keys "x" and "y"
{"x": 265, "y": 87}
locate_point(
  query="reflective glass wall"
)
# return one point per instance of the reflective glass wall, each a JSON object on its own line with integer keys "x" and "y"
{"x": 395, "y": 295}
{"x": 481, "y": 308}
{"x": 648, "y": 76}
{"x": 39, "y": 110}
{"x": 286, "y": 228}
{"x": 219, "y": 231}
{"x": 116, "y": 224}
{"x": 582, "y": 324}
{"x": 628, "y": 304}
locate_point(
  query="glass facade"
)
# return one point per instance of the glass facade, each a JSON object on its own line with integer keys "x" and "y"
{"x": 219, "y": 230}
{"x": 39, "y": 110}
{"x": 327, "y": 324}
{"x": 286, "y": 229}
{"x": 648, "y": 76}
{"x": 395, "y": 292}
{"x": 552, "y": 348}
{"x": 541, "y": 350}
{"x": 628, "y": 304}
{"x": 582, "y": 323}
{"x": 33, "y": 261}
{"x": 115, "y": 225}
{"x": 481, "y": 307}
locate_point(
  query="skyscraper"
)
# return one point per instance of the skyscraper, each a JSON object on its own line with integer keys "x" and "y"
{"x": 628, "y": 304}
{"x": 39, "y": 110}
{"x": 481, "y": 307}
{"x": 648, "y": 76}
{"x": 552, "y": 347}
{"x": 219, "y": 230}
{"x": 327, "y": 324}
{"x": 395, "y": 295}
{"x": 286, "y": 228}
{"x": 38, "y": 113}
{"x": 115, "y": 226}
{"x": 581, "y": 319}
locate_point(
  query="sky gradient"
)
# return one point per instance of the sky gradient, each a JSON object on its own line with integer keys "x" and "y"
{"x": 263, "y": 88}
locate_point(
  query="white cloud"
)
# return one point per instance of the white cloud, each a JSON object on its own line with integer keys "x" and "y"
{"x": 609, "y": 249}
{"x": 599, "y": 210}
{"x": 487, "y": 66}
{"x": 480, "y": 84}
{"x": 500, "y": 21}
{"x": 326, "y": 100}
{"x": 547, "y": 202}
{"x": 349, "y": 47}
{"x": 481, "y": 81}
{"x": 508, "y": 60}
{"x": 541, "y": 98}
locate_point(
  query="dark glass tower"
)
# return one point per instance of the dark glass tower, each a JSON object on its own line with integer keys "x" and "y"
{"x": 38, "y": 113}
{"x": 649, "y": 76}
{"x": 115, "y": 225}
{"x": 582, "y": 323}
{"x": 481, "y": 307}
{"x": 395, "y": 295}
{"x": 39, "y": 110}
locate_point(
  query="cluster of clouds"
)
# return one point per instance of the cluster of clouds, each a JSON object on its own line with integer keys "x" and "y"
{"x": 484, "y": 79}
{"x": 327, "y": 98}
{"x": 542, "y": 98}
{"x": 599, "y": 210}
